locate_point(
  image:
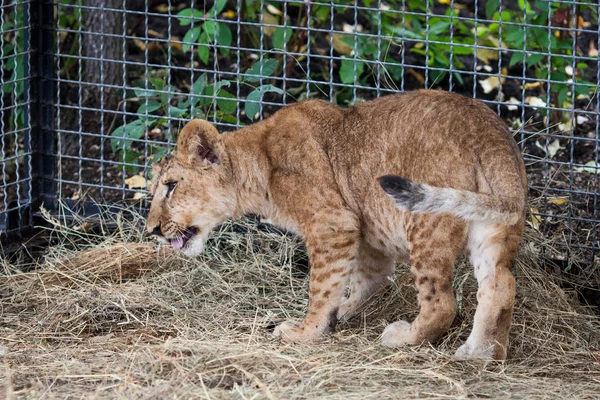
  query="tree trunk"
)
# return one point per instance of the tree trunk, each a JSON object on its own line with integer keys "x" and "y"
{"x": 102, "y": 37}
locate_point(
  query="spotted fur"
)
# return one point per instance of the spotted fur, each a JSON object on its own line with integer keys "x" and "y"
{"x": 450, "y": 165}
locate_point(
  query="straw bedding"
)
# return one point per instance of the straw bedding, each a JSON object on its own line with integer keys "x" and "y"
{"x": 109, "y": 316}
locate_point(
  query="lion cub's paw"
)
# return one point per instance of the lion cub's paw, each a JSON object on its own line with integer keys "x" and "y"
{"x": 292, "y": 332}
{"x": 491, "y": 352}
{"x": 347, "y": 310}
{"x": 398, "y": 334}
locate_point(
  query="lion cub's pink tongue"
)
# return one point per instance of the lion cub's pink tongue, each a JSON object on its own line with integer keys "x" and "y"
{"x": 177, "y": 243}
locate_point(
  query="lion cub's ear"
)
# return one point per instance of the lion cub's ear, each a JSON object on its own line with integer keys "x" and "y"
{"x": 197, "y": 139}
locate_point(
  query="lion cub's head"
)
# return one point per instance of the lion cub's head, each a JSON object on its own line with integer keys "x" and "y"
{"x": 192, "y": 190}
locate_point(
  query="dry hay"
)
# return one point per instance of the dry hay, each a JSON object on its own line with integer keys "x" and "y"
{"x": 110, "y": 317}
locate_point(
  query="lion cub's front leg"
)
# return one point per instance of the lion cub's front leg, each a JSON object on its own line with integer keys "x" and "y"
{"x": 332, "y": 238}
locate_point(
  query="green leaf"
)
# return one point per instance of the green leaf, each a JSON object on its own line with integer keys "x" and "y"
{"x": 534, "y": 59}
{"x": 203, "y": 51}
{"x": 515, "y": 59}
{"x": 438, "y": 26}
{"x": 583, "y": 88}
{"x": 562, "y": 96}
{"x": 190, "y": 38}
{"x": 403, "y": 32}
{"x": 225, "y": 104}
{"x": 210, "y": 27}
{"x": 268, "y": 67}
{"x": 185, "y": 16}
{"x": 142, "y": 93}
{"x": 230, "y": 118}
{"x": 558, "y": 76}
{"x": 224, "y": 36}
{"x": 491, "y": 7}
{"x": 132, "y": 130}
{"x": 279, "y": 41}
{"x": 217, "y": 8}
{"x": 177, "y": 112}
{"x": 459, "y": 78}
{"x": 157, "y": 83}
{"x": 152, "y": 106}
{"x": 131, "y": 157}
{"x": 524, "y": 5}
{"x": 347, "y": 72}
{"x": 252, "y": 107}
{"x": 465, "y": 50}
{"x": 514, "y": 36}
{"x": 158, "y": 152}
{"x": 210, "y": 90}
{"x": 197, "y": 89}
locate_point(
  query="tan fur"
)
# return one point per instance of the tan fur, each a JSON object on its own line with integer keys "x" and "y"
{"x": 313, "y": 168}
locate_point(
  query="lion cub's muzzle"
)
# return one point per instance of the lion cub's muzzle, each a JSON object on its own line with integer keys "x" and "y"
{"x": 178, "y": 240}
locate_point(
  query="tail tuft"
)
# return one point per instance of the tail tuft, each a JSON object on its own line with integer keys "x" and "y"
{"x": 404, "y": 192}
{"x": 471, "y": 206}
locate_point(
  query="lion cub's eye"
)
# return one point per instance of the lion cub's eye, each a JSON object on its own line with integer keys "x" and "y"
{"x": 170, "y": 187}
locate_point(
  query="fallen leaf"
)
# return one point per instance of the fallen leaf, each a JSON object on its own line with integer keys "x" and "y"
{"x": 534, "y": 219}
{"x": 154, "y": 132}
{"x": 140, "y": 45}
{"x": 136, "y": 182}
{"x": 569, "y": 70}
{"x": 565, "y": 126}
{"x": 514, "y": 104}
{"x": 138, "y": 196}
{"x": 559, "y": 201}
{"x": 175, "y": 43}
{"x": 535, "y": 101}
{"x": 273, "y": 10}
{"x": 582, "y": 120}
{"x": 271, "y": 20}
{"x": 340, "y": 45}
{"x": 593, "y": 51}
{"x": 153, "y": 33}
{"x": 350, "y": 28}
{"x": 532, "y": 85}
{"x": 581, "y": 23}
{"x": 485, "y": 55}
{"x": 491, "y": 83}
{"x": 551, "y": 149}
{"x": 590, "y": 167}
{"x": 75, "y": 195}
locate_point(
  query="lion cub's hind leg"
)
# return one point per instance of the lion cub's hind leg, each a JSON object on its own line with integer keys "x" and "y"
{"x": 371, "y": 273}
{"x": 434, "y": 242}
{"x": 492, "y": 249}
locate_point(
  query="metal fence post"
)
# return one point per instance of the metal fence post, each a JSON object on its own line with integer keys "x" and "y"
{"x": 43, "y": 169}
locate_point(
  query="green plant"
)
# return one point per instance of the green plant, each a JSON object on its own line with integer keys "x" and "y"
{"x": 14, "y": 63}
{"x": 204, "y": 31}
{"x": 547, "y": 53}
{"x": 159, "y": 104}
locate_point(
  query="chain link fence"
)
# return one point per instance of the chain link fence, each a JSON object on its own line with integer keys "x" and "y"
{"x": 95, "y": 91}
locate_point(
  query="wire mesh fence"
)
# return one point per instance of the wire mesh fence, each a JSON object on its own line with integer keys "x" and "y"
{"x": 127, "y": 74}
{"x": 15, "y": 140}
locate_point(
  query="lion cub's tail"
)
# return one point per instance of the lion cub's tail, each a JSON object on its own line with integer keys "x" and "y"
{"x": 420, "y": 198}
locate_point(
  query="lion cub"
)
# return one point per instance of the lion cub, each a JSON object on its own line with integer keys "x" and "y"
{"x": 417, "y": 177}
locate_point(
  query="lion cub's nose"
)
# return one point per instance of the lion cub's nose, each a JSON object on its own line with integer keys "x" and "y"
{"x": 156, "y": 231}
